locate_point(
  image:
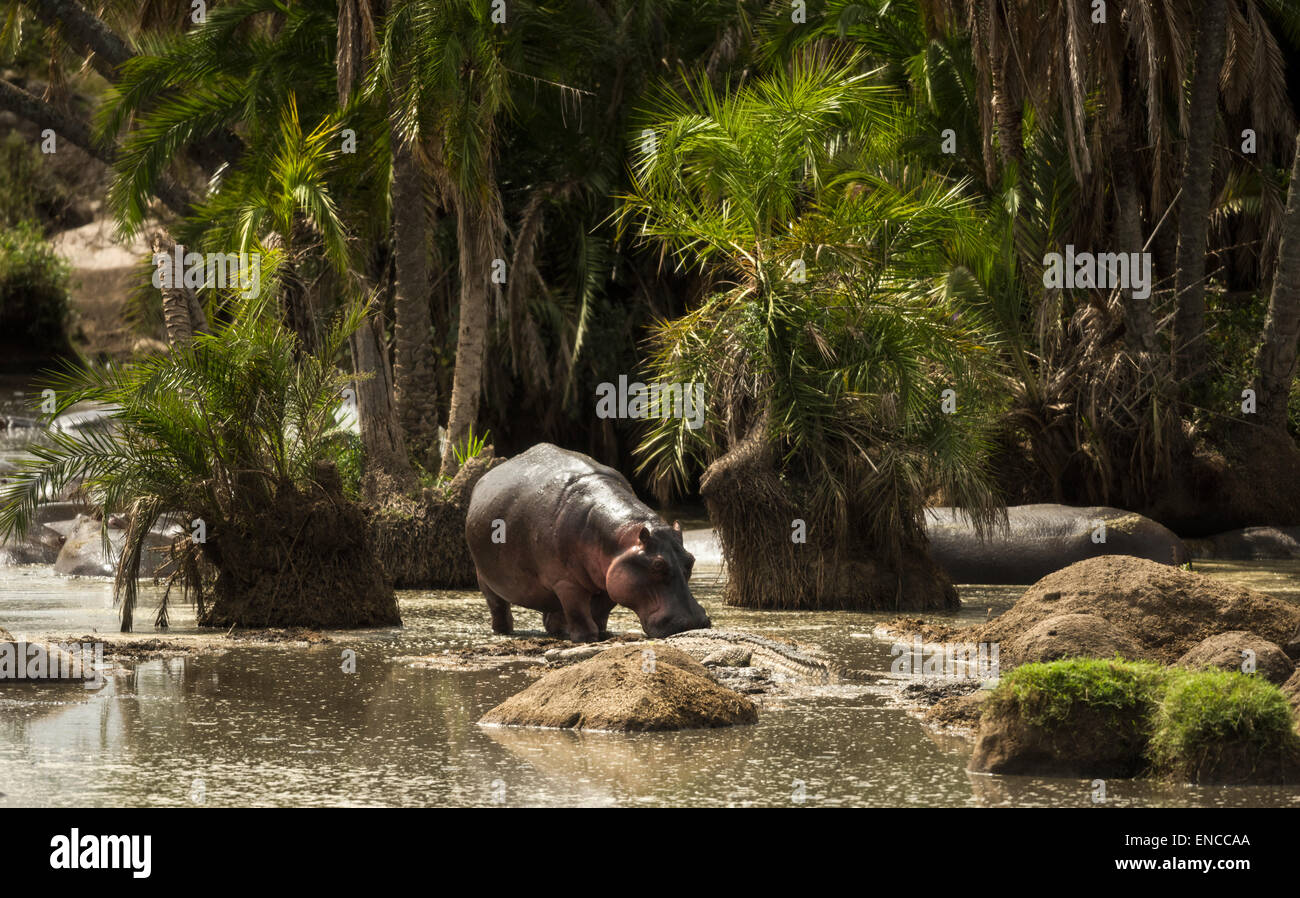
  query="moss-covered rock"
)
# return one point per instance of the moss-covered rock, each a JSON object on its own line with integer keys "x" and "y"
{"x": 1223, "y": 727}
{"x": 1082, "y": 717}
{"x": 1092, "y": 718}
{"x": 1232, "y": 650}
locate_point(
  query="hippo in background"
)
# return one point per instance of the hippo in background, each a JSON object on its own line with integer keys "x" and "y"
{"x": 1249, "y": 544}
{"x": 1040, "y": 539}
{"x": 554, "y": 531}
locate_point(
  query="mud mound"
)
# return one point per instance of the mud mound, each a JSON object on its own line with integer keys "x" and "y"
{"x": 1072, "y": 636}
{"x": 1227, "y": 651}
{"x": 957, "y": 712}
{"x": 1164, "y": 609}
{"x": 626, "y": 689}
{"x": 36, "y": 662}
{"x": 421, "y": 542}
{"x": 1291, "y": 689}
{"x": 1087, "y": 743}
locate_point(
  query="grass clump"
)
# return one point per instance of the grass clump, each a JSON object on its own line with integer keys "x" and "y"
{"x": 1210, "y": 719}
{"x": 1205, "y": 726}
{"x": 1046, "y": 694}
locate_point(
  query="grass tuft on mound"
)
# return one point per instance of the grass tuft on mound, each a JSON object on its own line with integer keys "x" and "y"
{"x": 1192, "y": 726}
{"x": 1046, "y": 693}
{"x": 1207, "y": 718}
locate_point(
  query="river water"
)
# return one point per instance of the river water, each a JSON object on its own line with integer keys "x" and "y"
{"x": 281, "y": 724}
{"x": 284, "y": 725}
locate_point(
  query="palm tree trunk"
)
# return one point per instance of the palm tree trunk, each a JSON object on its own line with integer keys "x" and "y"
{"x": 475, "y": 237}
{"x": 84, "y": 32}
{"x": 175, "y": 303}
{"x": 1139, "y": 325}
{"x": 1190, "y": 356}
{"x": 1276, "y": 359}
{"x": 1008, "y": 104}
{"x": 295, "y": 304}
{"x": 416, "y": 386}
{"x": 381, "y": 432}
{"x": 45, "y": 115}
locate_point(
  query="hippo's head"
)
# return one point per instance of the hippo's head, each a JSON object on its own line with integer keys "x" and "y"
{"x": 650, "y": 576}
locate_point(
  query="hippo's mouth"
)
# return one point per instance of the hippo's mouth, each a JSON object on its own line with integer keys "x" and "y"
{"x": 660, "y": 628}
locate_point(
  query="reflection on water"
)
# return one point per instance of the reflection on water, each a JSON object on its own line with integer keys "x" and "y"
{"x": 284, "y": 725}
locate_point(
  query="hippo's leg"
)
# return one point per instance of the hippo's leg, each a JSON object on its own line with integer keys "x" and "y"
{"x": 601, "y": 605}
{"x": 555, "y": 625}
{"x": 576, "y": 603}
{"x": 503, "y": 620}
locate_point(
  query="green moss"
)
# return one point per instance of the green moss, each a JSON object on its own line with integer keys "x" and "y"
{"x": 1203, "y": 712}
{"x": 1045, "y": 694}
{"x": 1196, "y": 724}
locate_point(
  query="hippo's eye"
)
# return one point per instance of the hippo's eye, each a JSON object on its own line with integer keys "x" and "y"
{"x": 658, "y": 565}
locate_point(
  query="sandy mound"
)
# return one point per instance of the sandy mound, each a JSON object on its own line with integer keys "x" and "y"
{"x": 1225, "y": 652}
{"x": 1165, "y": 610}
{"x": 626, "y": 689}
{"x": 1072, "y": 636}
{"x": 958, "y": 712}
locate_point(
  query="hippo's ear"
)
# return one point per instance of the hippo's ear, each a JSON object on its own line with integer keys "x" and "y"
{"x": 646, "y": 537}
{"x": 677, "y": 531}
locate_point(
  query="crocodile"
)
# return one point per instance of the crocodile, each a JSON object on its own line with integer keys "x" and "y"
{"x": 719, "y": 648}
{"x": 731, "y": 652}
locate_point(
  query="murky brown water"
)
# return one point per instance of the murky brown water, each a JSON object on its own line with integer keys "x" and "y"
{"x": 283, "y": 725}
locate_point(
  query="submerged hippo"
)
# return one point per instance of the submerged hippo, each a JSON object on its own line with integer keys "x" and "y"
{"x": 1041, "y": 539}
{"x": 554, "y": 531}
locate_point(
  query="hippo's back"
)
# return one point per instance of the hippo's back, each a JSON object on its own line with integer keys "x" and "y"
{"x": 551, "y": 493}
{"x": 1043, "y": 538}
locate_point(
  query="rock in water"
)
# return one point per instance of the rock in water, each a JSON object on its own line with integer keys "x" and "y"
{"x": 1226, "y": 651}
{"x": 630, "y": 689}
{"x": 1164, "y": 610}
{"x": 1073, "y": 636}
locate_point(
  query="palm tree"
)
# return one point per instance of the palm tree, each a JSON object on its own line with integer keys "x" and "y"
{"x": 1194, "y": 208}
{"x": 1276, "y": 357}
{"x": 444, "y": 63}
{"x": 240, "y": 434}
{"x": 414, "y": 384}
{"x": 836, "y": 322}
{"x": 265, "y": 73}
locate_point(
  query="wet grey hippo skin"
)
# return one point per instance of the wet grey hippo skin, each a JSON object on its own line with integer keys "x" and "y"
{"x": 555, "y": 531}
{"x": 1249, "y": 544}
{"x": 1042, "y": 539}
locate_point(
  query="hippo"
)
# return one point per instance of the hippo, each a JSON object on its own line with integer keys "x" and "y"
{"x": 1044, "y": 538}
{"x": 1249, "y": 544}
{"x": 555, "y": 531}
